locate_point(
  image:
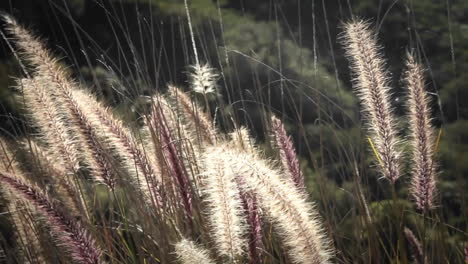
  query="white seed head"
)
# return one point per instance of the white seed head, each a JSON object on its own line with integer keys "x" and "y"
{"x": 203, "y": 79}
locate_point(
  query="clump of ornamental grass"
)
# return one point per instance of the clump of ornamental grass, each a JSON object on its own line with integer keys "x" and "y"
{"x": 105, "y": 192}
{"x": 373, "y": 88}
{"x": 294, "y": 219}
{"x": 121, "y": 195}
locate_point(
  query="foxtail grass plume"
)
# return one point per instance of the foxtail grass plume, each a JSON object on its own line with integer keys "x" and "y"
{"x": 138, "y": 165}
{"x": 422, "y": 140}
{"x": 294, "y": 219}
{"x": 158, "y": 125}
{"x": 199, "y": 120}
{"x": 51, "y": 122}
{"x": 67, "y": 231}
{"x": 225, "y": 211}
{"x": 203, "y": 79}
{"x": 371, "y": 82}
{"x": 254, "y": 221}
{"x": 415, "y": 246}
{"x": 189, "y": 253}
{"x": 20, "y": 212}
{"x": 57, "y": 85}
{"x": 287, "y": 152}
{"x": 242, "y": 140}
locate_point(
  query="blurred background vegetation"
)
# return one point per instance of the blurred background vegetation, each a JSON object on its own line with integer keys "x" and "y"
{"x": 279, "y": 56}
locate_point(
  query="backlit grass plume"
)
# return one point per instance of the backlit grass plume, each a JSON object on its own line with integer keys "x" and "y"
{"x": 415, "y": 246}
{"x": 81, "y": 185}
{"x": 203, "y": 79}
{"x": 141, "y": 170}
{"x": 287, "y": 151}
{"x": 189, "y": 253}
{"x": 200, "y": 122}
{"x": 371, "y": 83}
{"x": 295, "y": 219}
{"x": 68, "y": 232}
{"x": 422, "y": 140}
{"x": 56, "y": 85}
{"x": 225, "y": 213}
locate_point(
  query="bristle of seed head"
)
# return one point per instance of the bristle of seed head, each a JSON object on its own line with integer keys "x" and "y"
{"x": 241, "y": 139}
{"x": 371, "y": 83}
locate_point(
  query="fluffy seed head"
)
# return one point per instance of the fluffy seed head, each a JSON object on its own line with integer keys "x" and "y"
{"x": 68, "y": 232}
{"x": 189, "y": 253}
{"x": 286, "y": 207}
{"x": 423, "y": 185}
{"x": 203, "y": 79}
{"x": 415, "y": 245}
{"x": 198, "y": 120}
{"x": 225, "y": 211}
{"x": 287, "y": 152}
{"x": 372, "y": 87}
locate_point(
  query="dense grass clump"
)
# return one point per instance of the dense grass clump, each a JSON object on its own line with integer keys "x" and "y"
{"x": 86, "y": 187}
